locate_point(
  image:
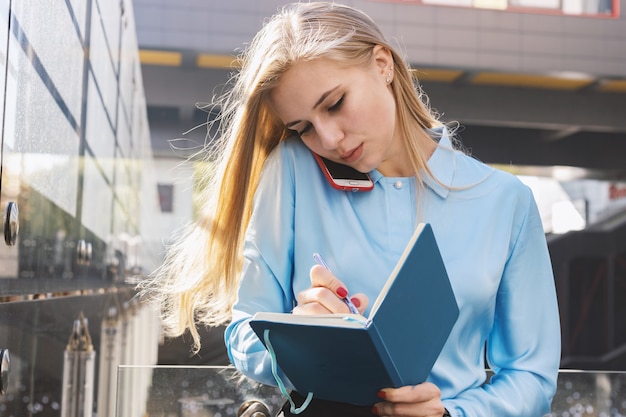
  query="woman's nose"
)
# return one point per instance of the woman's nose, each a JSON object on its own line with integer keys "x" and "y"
{"x": 330, "y": 135}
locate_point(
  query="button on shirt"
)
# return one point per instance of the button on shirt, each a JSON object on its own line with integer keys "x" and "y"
{"x": 492, "y": 242}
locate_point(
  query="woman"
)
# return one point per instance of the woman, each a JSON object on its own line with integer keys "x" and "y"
{"x": 320, "y": 77}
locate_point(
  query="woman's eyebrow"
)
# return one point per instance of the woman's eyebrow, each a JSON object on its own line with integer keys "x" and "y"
{"x": 323, "y": 97}
{"x": 316, "y": 105}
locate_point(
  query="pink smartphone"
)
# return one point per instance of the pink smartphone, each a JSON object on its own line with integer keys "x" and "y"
{"x": 344, "y": 177}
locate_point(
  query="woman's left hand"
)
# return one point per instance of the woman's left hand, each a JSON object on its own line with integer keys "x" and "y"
{"x": 423, "y": 400}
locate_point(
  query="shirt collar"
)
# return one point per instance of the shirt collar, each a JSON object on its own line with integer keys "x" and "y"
{"x": 441, "y": 164}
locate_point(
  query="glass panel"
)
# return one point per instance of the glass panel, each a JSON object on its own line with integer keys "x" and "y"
{"x": 109, "y": 19}
{"x": 68, "y": 163}
{"x": 587, "y": 8}
{"x": 545, "y": 4}
{"x": 100, "y": 134}
{"x": 4, "y": 36}
{"x": 490, "y": 4}
{"x": 467, "y": 3}
{"x": 104, "y": 63}
{"x": 202, "y": 391}
{"x": 124, "y": 133}
{"x": 581, "y": 393}
{"x": 9, "y": 187}
{"x": 206, "y": 391}
{"x": 58, "y": 46}
{"x": 129, "y": 79}
{"x": 97, "y": 199}
{"x": 59, "y": 159}
{"x": 78, "y": 8}
{"x": 40, "y": 157}
{"x": 40, "y": 139}
{"x": 37, "y": 334}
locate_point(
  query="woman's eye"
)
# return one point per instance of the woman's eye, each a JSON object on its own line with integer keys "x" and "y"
{"x": 304, "y": 130}
{"x": 334, "y": 107}
{"x": 337, "y": 105}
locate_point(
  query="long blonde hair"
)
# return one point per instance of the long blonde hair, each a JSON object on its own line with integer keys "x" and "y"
{"x": 197, "y": 282}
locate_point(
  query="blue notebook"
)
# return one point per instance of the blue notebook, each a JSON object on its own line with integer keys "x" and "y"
{"x": 348, "y": 357}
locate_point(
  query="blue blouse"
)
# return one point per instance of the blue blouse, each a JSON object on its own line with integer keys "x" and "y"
{"x": 492, "y": 242}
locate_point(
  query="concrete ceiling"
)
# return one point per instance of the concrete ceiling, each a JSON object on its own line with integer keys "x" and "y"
{"x": 525, "y": 120}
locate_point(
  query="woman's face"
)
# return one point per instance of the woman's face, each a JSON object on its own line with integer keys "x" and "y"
{"x": 346, "y": 114}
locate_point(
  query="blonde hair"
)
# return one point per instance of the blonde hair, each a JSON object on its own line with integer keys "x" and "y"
{"x": 197, "y": 282}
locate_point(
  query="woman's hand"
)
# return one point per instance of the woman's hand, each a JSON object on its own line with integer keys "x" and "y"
{"x": 326, "y": 295}
{"x": 423, "y": 400}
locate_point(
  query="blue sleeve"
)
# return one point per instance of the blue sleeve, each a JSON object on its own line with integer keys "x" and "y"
{"x": 524, "y": 345}
{"x": 267, "y": 267}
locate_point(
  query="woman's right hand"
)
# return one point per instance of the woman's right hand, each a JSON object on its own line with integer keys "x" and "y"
{"x": 325, "y": 296}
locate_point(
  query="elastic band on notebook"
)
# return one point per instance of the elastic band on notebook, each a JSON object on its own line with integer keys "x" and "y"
{"x": 281, "y": 385}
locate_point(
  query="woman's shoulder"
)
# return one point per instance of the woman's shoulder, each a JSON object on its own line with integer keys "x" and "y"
{"x": 290, "y": 156}
{"x": 292, "y": 148}
{"x": 471, "y": 170}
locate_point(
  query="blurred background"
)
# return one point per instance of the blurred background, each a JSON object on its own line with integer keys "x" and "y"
{"x": 105, "y": 104}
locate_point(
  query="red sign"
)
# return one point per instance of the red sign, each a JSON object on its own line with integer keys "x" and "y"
{"x": 617, "y": 191}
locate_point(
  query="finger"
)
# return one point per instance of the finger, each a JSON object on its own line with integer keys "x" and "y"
{"x": 413, "y": 400}
{"x": 324, "y": 296}
{"x": 322, "y": 277}
{"x": 310, "y": 308}
{"x": 387, "y": 409}
{"x": 319, "y": 300}
{"x": 411, "y": 393}
{"x": 360, "y": 301}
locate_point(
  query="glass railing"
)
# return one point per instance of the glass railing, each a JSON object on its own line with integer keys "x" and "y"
{"x": 197, "y": 391}
{"x": 206, "y": 391}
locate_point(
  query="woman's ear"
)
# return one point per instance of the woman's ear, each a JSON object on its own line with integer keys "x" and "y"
{"x": 382, "y": 58}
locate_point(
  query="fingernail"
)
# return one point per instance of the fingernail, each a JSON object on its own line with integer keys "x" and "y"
{"x": 356, "y": 302}
{"x": 342, "y": 292}
{"x": 382, "y": 394}
{"x": 374, "y": 411}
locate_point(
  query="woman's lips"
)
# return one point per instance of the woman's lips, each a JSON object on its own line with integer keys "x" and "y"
{"x": 353, "y": 155}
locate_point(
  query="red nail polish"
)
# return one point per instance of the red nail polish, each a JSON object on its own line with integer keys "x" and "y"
{"x": 382, "y": 394}
{"x": 356, "y": 302}
{"x": 374, "y": 411}
{"x": 342, "y": 292}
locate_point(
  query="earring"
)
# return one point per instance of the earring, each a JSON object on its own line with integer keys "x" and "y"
{"x": 389, "y": 75}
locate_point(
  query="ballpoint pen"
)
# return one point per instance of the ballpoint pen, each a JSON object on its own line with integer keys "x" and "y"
{"x": 320, "y": 261}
